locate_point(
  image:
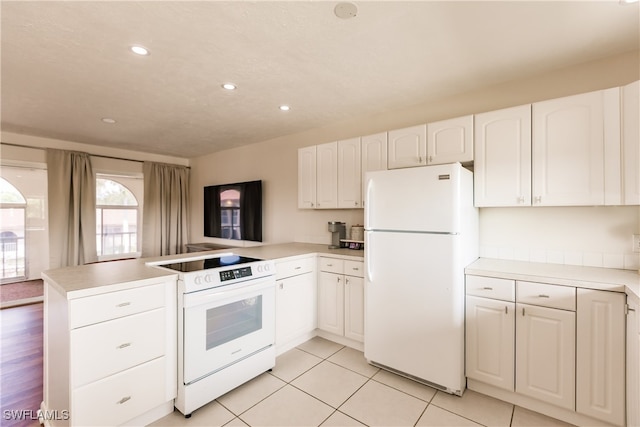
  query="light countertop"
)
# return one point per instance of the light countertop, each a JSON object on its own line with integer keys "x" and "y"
{"x": 569, "y": 275}
{"x": 85, "y": 280}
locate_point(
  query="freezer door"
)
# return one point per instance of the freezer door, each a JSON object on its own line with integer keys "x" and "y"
{"x": 414, "y": 315}
{"x": 414, "y": 199}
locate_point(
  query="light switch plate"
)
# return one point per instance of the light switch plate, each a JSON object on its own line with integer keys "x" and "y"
{"x": 636, "y": 243}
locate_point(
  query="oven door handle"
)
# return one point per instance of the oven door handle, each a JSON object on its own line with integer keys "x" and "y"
{"x": 213, "y": 295}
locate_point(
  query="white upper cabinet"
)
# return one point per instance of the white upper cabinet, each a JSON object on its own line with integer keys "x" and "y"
{"x": 307, "y": 177}
{"x": 374, "y": 155}
{"x": 502, "y": 166}
{"x": 631, "y": 143}
{"x": 569, "y": 139}
{"x": 450, "y": 141}
{"x": 349, "y": 174}
{"x": 407, "y": 147}
{"x": 327, "y": 175}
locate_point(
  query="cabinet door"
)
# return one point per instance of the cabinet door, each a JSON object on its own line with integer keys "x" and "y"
{"x": 354, "y": 308}
{"x": 408, "y": 147}
{"x": 331, "y": 302}
{"x": 295, "y": 307}
{"x": 545, "y": 354}
{"x": 349, "y": 174}
{"x": 374, "y": 155}
{"x": 633, "y": 364}
{"x": 307, "y": 177}
{"x": 450, "y": 141}
{"x": 490, "y": 341}
{"x": 631, "y": 143}
{"x": 600, "y": 347}
{"x": 327, "y": 175}
{"x": 502, "y": 165}
{"x": 568, "y": 145}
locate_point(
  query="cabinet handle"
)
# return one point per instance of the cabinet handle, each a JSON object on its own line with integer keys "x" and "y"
{"x": 123, "y": 400}
{"x": 543, "y": 296}
{"x": 523, "y": 311}
{"x": 329, "y": 265}
{"x": 487, "y": 288}
{"x": 506, "y": 309}
{"x": 537, "y": 199}
{"x": 338, "y": 279}
{"x": 123, "y": 304}
{"x": 355, "y": 203}
{"x": 298, "y": 268}
{"x": 281, "y": 285}
{"x": 430, "y": 159}
{"x": 521, "y": 199}
{"x": 125, "y": 345}
{"x": 311, "y": 204}
{"x": 356, "y": 268}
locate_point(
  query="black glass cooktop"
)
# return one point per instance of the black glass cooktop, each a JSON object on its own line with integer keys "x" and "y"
{"x": 208, "y": 263}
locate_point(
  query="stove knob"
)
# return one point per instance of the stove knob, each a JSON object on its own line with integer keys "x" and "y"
{"x": 197, "y": 280}
{"x": 267, "y": 267}
{"x": 208, "y": 278}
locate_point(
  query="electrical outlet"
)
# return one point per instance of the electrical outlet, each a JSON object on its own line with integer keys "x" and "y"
{"x": 636, "y": 243}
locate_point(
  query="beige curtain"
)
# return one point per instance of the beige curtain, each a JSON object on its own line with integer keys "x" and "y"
{"x": 166, "y": 209}
{"x": 72, "y": 208}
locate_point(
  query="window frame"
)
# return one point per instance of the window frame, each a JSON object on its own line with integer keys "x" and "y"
{"x": 119, "y": 178}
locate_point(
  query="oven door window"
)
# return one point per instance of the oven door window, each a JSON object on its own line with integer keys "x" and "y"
{"x": 232, "y": 321}
{"x": 221, "y": 328}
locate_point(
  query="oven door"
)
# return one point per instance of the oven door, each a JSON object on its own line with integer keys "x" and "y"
{"x": 224, "y": 325}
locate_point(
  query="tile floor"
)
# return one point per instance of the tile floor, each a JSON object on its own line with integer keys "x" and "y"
{"x": 321, "y": 383}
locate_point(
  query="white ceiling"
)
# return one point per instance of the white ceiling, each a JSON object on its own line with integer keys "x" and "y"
{"x": 66, "y": 64}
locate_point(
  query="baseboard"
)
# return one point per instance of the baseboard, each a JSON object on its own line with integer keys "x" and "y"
{"x": 19, "y": 302}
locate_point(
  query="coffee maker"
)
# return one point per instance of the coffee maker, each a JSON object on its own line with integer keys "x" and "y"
{"x": 338, "y": 231}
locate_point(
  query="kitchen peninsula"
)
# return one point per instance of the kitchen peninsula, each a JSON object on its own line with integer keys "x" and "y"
{"x": 89, "y": 309}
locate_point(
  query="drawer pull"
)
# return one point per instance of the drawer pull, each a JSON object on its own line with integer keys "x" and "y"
{"x": 329, "y": 265}
{"x": 543, "y": 296}
{"x": 356, "y": 268}
{"x": 125, "y": 345}
{"x": 487, "y": 288}
{"x": 123, "y": 400}
{"x": 298, "y": 268}
{"x": 123, "y": 304}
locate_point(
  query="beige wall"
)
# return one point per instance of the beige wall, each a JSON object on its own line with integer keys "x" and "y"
{"x": 602, "y": 235}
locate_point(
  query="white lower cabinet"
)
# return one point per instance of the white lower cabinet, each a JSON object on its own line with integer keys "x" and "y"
{"x": 341, "y": 297}
{"x": 633, "y": 363}
{"x": 110, "y": 358}
{"x": 545, "y": 354}
{"x": 295, "y": 301}
{"x": 561, "y": 345}
{"x": 490, "y": 341}
{"x": 600, "y": 365}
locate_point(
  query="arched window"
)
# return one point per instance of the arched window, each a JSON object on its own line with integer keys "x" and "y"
{"x": 117, "y": 218}
{"x": 230, "y": 213}
{"x": 13, "y": 207}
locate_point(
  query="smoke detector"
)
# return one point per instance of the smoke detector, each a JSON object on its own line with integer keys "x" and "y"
{"x": 345, "y": 10}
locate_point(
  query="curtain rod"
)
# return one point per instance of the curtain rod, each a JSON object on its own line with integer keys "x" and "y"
{"x": 93, "y": 155}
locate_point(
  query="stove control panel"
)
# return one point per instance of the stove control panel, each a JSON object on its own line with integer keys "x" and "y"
{"x": 236, "y": 273}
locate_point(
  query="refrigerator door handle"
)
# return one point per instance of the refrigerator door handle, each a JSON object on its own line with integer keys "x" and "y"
{"x": 368, "y": 191}
{"x": 367, "y": 258}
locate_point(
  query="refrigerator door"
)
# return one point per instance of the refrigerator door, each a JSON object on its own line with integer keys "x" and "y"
{"x": 414, "y": 317}
{"x": 414, "y": 199}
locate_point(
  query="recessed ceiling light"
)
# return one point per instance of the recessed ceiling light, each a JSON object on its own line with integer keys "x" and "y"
{"x": 285, "y": 108}
{"x": 140, "y": 50}
{"x": 108, "y": 120}
{"x": 229, "y": 86}
{"x": 345, "y": 10}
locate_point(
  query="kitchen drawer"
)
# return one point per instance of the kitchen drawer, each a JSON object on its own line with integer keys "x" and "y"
{"x": 354, "y": 268}
{"x": 332, "y": 265}
{"x": 109, "y": 347}
{"x": 490, "y": 287}
{"x": 112, "y": 305}
{"x": 120, "y": 397}
{"x": 545, "y": 295}
{"x": 294, "y": 267}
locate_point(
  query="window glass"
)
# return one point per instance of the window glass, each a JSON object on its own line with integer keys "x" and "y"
{"x": 117, "y": 217}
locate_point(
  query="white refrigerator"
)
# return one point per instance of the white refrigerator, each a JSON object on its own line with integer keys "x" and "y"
{"x": 421, "y": 231}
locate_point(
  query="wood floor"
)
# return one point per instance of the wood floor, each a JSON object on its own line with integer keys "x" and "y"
{"x": 21, "y": 364}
